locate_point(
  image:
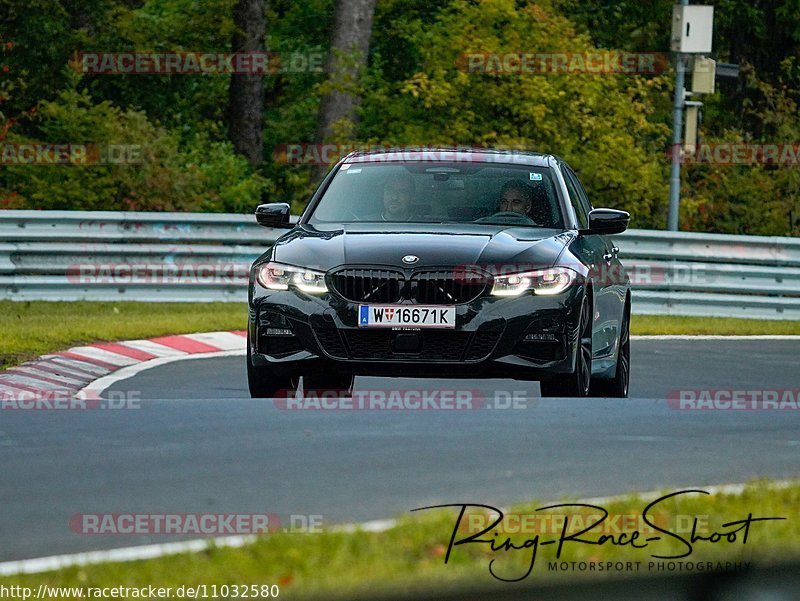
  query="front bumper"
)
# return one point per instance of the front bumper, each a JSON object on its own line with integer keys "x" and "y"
{"x": 524, "y": 338}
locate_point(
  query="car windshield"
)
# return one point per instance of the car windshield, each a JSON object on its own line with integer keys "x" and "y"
{"x": 425, "y": 192}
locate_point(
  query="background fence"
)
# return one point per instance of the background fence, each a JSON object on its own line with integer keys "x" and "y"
{"x": 76, "y": 255}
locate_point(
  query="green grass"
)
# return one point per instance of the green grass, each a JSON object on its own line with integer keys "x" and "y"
{"x": 724, "y": 326}
{"x": 410, "y": 557}
{"x": 30, "y": 329}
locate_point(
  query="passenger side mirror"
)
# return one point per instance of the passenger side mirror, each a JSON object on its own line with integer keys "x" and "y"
{"x": 273, "y": 214}
{"x": 608, "y": 221}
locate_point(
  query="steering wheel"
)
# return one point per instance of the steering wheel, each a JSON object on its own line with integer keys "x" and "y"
{"x": 518, "y": 218}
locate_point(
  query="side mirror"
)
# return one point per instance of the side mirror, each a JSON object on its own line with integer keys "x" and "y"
{"x": 273, "y": 214}
{"x": 608, "y": 221}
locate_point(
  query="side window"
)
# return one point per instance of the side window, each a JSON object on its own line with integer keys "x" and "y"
{"x": 576, "y": 197}
{"x": 584, "y": 198}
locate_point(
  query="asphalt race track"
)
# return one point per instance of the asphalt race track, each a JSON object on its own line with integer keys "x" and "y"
{"x": 197, "y": 444}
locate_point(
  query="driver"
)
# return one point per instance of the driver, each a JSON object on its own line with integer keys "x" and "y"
{"x": 398, "y": 190}
{"x": 515, "y": 197}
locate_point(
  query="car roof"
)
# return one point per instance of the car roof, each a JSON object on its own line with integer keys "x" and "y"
{"x": 446, "y": 154}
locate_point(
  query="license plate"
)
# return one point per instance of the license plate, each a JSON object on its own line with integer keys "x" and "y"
{"x": 393, "y": 316}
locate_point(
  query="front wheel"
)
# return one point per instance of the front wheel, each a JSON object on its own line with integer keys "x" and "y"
{"x": 577, "y": 383}
{"x": 618, "y": 386}
{"x": 262, "y": 382}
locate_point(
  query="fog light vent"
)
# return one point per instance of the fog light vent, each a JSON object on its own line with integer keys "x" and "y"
{"x": 278, "y": 332}
{"x": 545, "y": 337}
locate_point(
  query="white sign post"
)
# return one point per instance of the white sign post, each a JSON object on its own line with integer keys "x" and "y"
{"x": 692, "y": 29}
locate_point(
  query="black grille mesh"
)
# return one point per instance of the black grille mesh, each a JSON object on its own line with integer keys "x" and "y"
{"x": 331, "y": 342}
{"x": 442, "y": 287}
{"x": 368, "y": 285}
{"x": 436, "y": 345}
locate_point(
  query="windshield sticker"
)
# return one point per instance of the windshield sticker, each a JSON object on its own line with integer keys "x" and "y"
{"x": 353, "y": 171}
{"x": 536, "y": 177}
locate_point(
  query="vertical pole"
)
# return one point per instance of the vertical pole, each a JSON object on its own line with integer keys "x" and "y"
{"x": 677, "y": 131}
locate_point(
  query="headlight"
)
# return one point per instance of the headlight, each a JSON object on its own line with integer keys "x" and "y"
{"x": 275, "y": 276}
{"x": 542, "y": 281}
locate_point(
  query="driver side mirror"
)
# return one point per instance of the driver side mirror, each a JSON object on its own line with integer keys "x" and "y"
{"x": 608, "y": 221}
{"x": 273, "y": 214}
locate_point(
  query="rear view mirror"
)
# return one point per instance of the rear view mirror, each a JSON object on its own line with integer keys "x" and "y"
{"x": 273, "y": 214}
{"x": 608, "y": 221}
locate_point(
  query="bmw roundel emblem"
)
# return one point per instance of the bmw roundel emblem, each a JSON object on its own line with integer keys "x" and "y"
{"x": 410, "y": 259}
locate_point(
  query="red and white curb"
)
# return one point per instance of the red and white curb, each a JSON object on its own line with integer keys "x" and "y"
{"x": 88, "y": 370}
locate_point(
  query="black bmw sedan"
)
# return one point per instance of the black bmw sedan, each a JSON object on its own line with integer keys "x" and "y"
{"x": 442, "y": 263}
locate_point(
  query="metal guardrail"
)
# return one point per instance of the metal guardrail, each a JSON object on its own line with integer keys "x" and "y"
{"x": 99, "y": 255}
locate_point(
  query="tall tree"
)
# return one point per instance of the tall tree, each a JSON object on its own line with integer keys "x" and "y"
{"x": 246, "y": 96}
{"x": 352, "y": 28}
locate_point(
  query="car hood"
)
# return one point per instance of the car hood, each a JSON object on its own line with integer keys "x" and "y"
{"x": 435, "y": 245}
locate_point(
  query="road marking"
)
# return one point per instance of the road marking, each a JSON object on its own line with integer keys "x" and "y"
{"x": 125, "y": 350}
{"x": 70, "y": 365}
{"x": 225, "y": 341}
{"x": 41, "y": 381}
{"x": 87, "y": 361}
{"x": 57, "y": 562}
{"x": 153, "y": 348}
{"x": 44, "y": 376}
{"x": 184, "y": 343}
{"x": 99, "y": 355}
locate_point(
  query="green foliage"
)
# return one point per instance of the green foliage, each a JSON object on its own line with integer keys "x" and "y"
{"x": 600, "y": 124}
{"x": 186, "y": 102}
{"x": 42, "y": 41}
{"x": 170, "y": 175}
{"x": 634, "y": 25}
{"x": 761, "y": 107}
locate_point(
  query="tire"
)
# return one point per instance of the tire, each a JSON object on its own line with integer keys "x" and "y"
{"x": 263, "y": 382}
{"x": 618, "y": 386}
{"x": 328, "y": 384}
{"x": 576, "y": 384}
